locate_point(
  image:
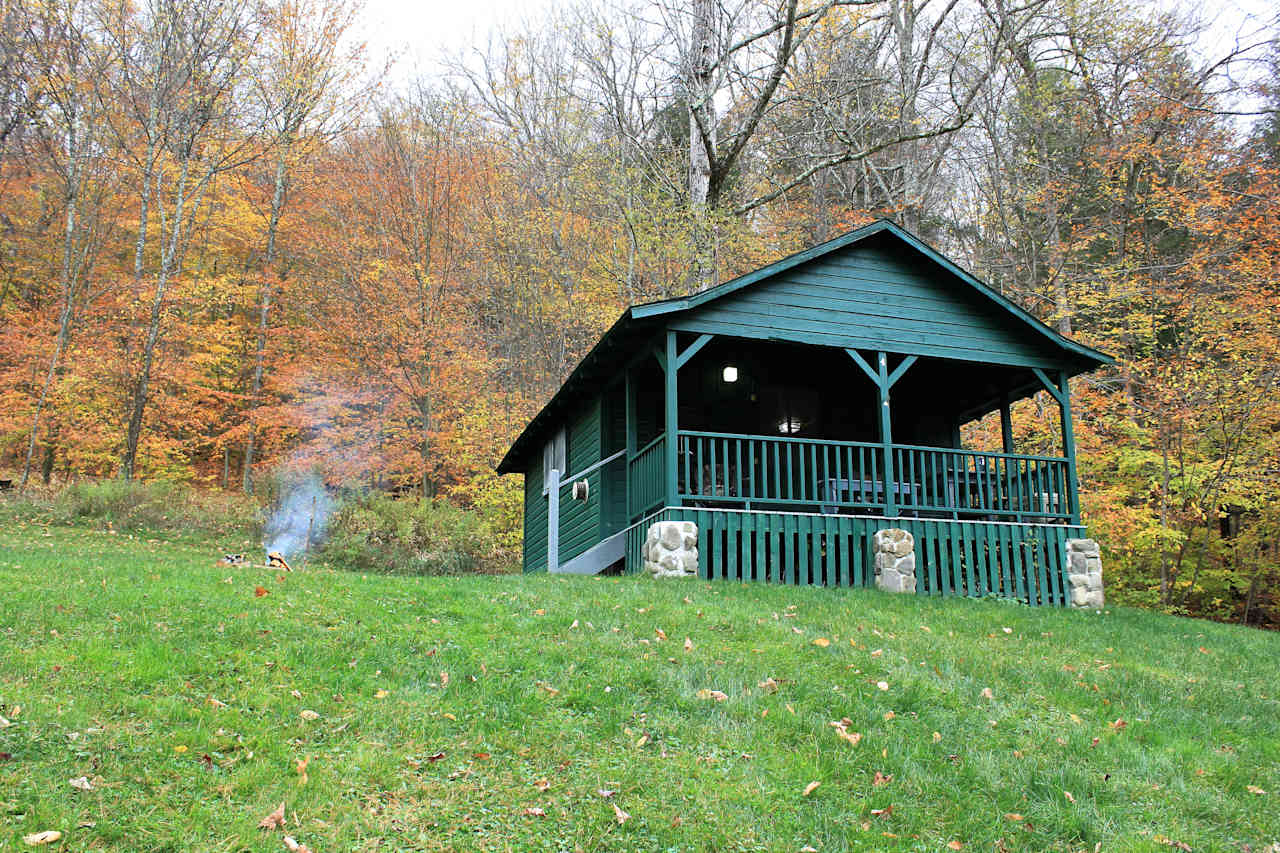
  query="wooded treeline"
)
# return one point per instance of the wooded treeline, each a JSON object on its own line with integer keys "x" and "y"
{"x": 228, "y": 241}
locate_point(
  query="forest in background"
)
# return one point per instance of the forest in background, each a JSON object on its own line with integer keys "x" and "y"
{"x": 231, "y": 244}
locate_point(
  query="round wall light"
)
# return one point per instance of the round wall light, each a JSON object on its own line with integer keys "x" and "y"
{"x": 730, "y": 373}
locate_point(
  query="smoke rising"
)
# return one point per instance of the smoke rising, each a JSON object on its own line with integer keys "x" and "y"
{"x": 302, "y": 509}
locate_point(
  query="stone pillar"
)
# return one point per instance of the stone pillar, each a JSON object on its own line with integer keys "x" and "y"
{"x": 671, "y": 549}
{"x": 1084, "y": 573}
{"x": 895, "y": 551}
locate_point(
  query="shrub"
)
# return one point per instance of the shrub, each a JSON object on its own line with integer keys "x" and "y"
{"x": 411, "y": 536}
{"x": 158, "y": 505}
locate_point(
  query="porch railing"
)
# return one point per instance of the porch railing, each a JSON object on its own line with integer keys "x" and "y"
{"x": 645, "y": 470}
{"x": 759, "y": 472}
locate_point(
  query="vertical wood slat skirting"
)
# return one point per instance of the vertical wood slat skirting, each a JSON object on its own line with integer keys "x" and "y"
{"x": 1026, "y": 562}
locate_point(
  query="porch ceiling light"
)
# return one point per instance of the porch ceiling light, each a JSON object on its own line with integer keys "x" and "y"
{"x": 730, "y": 373}
{"x": 789, "y": 425}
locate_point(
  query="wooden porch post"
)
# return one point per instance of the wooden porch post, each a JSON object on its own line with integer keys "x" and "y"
{"x": 1060, "y": 390}
{"x": 1006, "y": 426}
{"x": 886, "y": 436}
{"x": 884, "y": 380}
{"x": 629, "y": 409}
{"x": 672, "y": 368}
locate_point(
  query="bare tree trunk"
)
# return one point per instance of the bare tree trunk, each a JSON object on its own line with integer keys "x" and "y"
{"x": 703, "y": 52}
{"x": 264, "y": 309}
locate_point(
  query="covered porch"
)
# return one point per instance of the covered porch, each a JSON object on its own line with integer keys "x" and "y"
{"x": 731, "y": 423}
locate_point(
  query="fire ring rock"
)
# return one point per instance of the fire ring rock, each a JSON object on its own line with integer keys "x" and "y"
{"x": 1084, "y": 574}
{"x": 671, "y": 549}
{"x": 895, "y": 551}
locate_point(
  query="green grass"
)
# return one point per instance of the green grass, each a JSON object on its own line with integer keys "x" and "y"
{"x": 114, "y": 648}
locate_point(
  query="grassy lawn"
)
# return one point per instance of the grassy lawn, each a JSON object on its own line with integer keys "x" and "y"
{"x": 492, "y": 712}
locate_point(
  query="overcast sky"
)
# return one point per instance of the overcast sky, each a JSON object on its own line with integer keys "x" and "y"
{"x": 419, "y": 33}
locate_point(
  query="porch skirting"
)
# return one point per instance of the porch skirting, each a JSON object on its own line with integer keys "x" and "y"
{"x": 1023, "y": 561}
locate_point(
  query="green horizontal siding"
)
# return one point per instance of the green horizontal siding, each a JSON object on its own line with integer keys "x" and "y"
{"x": 871, "y": 297}
{"x": 535, "y": 519}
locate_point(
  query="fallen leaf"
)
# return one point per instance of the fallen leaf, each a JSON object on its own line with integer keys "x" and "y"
{"x": 622, "y": 816}
{"x": 534, "y": 811}
{"x": 1007, "y": 630}
{"x": 822, "y": 641}
{"x": 444, "y": 679}
{"x": 293, "y": 846}
{"x": 542, "y": 784}
{"x": 381, "y": 694}
{"x": 717, "y": 695}
{"x": 1254, "y": 789}
{"x": 259, "y": 591}
{"x": 551, "y": 691}
{"x": 574, "y": 625}
{"x": 81, "y": 783}
{"x": 810, "y": 788}
{"x": 956, "y": 845}
{"x": 883, "y": 685}
{"x": 854, "y": 738}
{"x": 35, "y": 839}
{"x": 661, "y": 634}
{"x": 889, "y": 715}
{"x": 275, "y": 820}
{"x": 986, "y": 693}
{"x": 1014, "y": 816}
{"x": 308, "y": 714}
{"x": 480, "y": 756}
{"x": 877, "y": 653}
{"x": 688, "y": 644}
{"x": 295, "y": 694}
{"x": 539, "y": 612}
{"x": 217, "y": 704}
{"x": 882, "y": 813}
{"x": 435, "y": 756}
{"x": 769, "y": 685}
{"x": 881, "y": 779}
{"x": 937, "y": 736}
{"x": 1067, "y": 794}
{"x": 605, "y": 793}
{"x": 301, "y": 766}
{"x": 1118, "y": 725}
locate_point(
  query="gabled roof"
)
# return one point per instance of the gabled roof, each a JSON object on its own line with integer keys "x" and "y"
{"x": 639, "y": 321}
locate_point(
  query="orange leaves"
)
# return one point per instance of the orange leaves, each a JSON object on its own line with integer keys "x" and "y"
{"x": 822, "y": 642}
{"x": 259, "y": 591}
{"x": 275, "y": 820}
{"x": 842, "y": 731}
{"x": 717, "y": 695}
{"x": 619, "y": 815}
{"x": 810, "y": 788}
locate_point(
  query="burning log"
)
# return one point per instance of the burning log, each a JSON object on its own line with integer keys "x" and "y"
{"x": 276, "y": 560}
{"x": 234, "y": 560}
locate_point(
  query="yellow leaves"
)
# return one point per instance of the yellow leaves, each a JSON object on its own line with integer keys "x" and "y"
{"x": 822, "y": 642}
{"x": 381, "y": 694}
{"x": 937, "y": 737}
{"x": 810, "y": 788}
{"x": 308, "y": 715}
{"x": 1254, "y": 789}
{"x": 180, "y": 749}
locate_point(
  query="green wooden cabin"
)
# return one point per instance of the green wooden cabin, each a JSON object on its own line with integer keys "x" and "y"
{"x": 794, "y": 411}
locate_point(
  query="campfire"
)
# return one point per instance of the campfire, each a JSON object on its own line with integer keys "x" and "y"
{"x": 275, "y": 560}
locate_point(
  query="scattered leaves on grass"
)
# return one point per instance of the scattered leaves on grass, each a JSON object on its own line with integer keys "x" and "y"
{"x": 884, "y": 812}
{"x": 956, "y": 845}
{"x": 986, "y": 693}
{"x": 294, "y": 846}
{"x": 822, "y": 641}
{"x": 883, "y": 685}
{"x": 1067, "y": 794}
{"x": 444, "y": 679}
{"x": 769, "y": 685}
{"x": 301, "y": 766}
{"x": 275, "y": 820}
{"x": 308, "y": 714}
{"x": 534, "y": 811}
{"x": 81, "y": 783}
{"x": 605, "y": 793}
{"x": 1254, "y": 789}
{"x": 889, "y": 715}
{"x": 688, "y": 644}
{"x": 435, "y": 756}
{"x": 1176, "y": 845}
{"x": 937, "y": 736}
{"x": 810, "y": 788}
{"x": 547, "y": 688}
{"x": 1015, "y": 817}
{"x": 622, "y": 816}
{"x": 661, "y": 634}
{"x": 881, "y": 779}
{"x": 259, "y": 591}
{"x": 542, "y": 784}
{"x": 6, "y": 756}
{"x": 1118, "y": 725}
{"x": 36, "y": 839}
{"x": 381, "y": 694}
{"x": 216, "y": 703}
{"x": 717, "y": 695}
{"x": 842, "y": 731}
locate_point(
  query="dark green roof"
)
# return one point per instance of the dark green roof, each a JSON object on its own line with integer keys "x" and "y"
{"x": 637, "y": 324}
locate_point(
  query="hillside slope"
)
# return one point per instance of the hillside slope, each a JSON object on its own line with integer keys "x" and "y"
{"x": 497, "y": 713}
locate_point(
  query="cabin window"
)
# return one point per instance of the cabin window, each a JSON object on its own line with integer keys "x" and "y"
{"x": 553, "y": 459}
